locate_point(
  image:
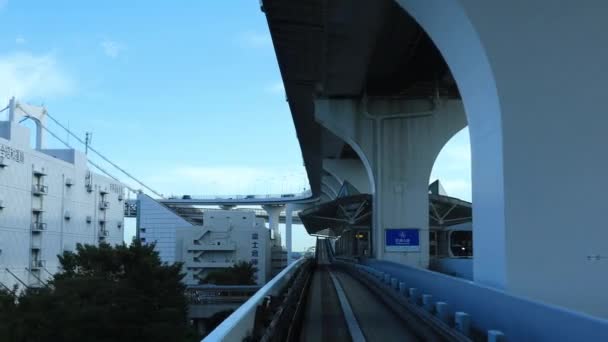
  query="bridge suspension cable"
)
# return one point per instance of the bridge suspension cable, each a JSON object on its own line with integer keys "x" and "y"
{"x": 94, "y": 151}
{"x": 88, "y": 159}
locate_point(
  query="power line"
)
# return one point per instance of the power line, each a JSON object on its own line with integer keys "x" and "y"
{"x": 103, "y": 157}
{"x": 95, "y": 151}
{"x": 89, "y": 160}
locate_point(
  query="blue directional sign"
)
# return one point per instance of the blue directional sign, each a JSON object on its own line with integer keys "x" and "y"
{"x": 402, "y": 240}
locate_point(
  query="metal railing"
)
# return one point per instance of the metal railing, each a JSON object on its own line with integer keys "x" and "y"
{"x": 36, "y": 264}
{"x": 241, "y": 322}
{"x": 39, "y": 189}
{"x": 213, "y": 294}
{"x": 38, "y": 226}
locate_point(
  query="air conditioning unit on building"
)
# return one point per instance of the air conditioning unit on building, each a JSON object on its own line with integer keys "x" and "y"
{"x": 119, "y": 225}
{"x": 89, "y": 187}
{"x": 67, "y": 215}
{"x": 89, "y": 219}
{"x": 69, "y": 182}
{"x": 3, "y": 163}
{"x": 120, "y": 197}
{"x": 38, "y": 171}
{"x": 1, "y": 204}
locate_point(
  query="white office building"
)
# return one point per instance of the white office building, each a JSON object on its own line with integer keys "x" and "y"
{"x": 49, "y": 202}
{"x": 226, "y": 237}
{"x": 205, "y": 239}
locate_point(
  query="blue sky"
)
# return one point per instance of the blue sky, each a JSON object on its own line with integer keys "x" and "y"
{"x": 186, "y": 95}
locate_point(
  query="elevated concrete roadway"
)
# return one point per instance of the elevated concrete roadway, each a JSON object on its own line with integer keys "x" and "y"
{"x": 236, "y": 200}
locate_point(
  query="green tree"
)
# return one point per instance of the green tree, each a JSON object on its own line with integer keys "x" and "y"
{"x": 106, "y": 293}
{"x": 241, "y": 273}
{"x": 215, "y": 320}
{"x": 8, "y": 314}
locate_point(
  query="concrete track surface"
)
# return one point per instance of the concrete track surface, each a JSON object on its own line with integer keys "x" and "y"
{"x": 324, "y": 318}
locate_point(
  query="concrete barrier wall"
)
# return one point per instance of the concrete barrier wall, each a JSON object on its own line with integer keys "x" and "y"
{"x": 240, "y": 323}
{"x": 461, "y": 268}
{"x": 520, "y": 319}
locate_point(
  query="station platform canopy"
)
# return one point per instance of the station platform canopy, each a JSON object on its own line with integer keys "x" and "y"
{"x": 353, "y": 210}
{"x": 333, "y": 217}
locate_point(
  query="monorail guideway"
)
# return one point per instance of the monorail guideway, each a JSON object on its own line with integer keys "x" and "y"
{"x": 330, "y": 301}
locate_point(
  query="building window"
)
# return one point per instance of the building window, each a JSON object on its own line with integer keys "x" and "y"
{"x": 254, "y": 236}
{"x": 142, "y": 230}
{"x": 254, "y": 261}
{"x": 461, "y": 243}
{"x": 433, "y": 243}
{"x": 143, "y": 239}
{"x": 254, "y": 253}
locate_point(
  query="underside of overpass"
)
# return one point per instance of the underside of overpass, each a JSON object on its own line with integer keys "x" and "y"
{"x": 382, "y": 85}
{"x": 370, "y": 67}
{"x": 349, "y": 49}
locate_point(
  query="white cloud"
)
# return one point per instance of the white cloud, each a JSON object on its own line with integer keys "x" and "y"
{"x": 255, "y": 39}
{"x": 275, "y": 88}
{"x": 111, "y": 48}
{"x": 20, "y": 40}
{"x": 229, "y": 180}
{"x": 28, "y": 76}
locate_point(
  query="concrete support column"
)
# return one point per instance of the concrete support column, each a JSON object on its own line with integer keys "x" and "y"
{"x": 39, "y": 135}
{"x": 274, "y": 213}
{"x": 351, "y": 171}
{"x": 11, "y": 109}
{"x": 288, "y": 235}
{"x": 535, "y": 100}
{"x": 330, "y": 185}
{"x": 397, "y": 141}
